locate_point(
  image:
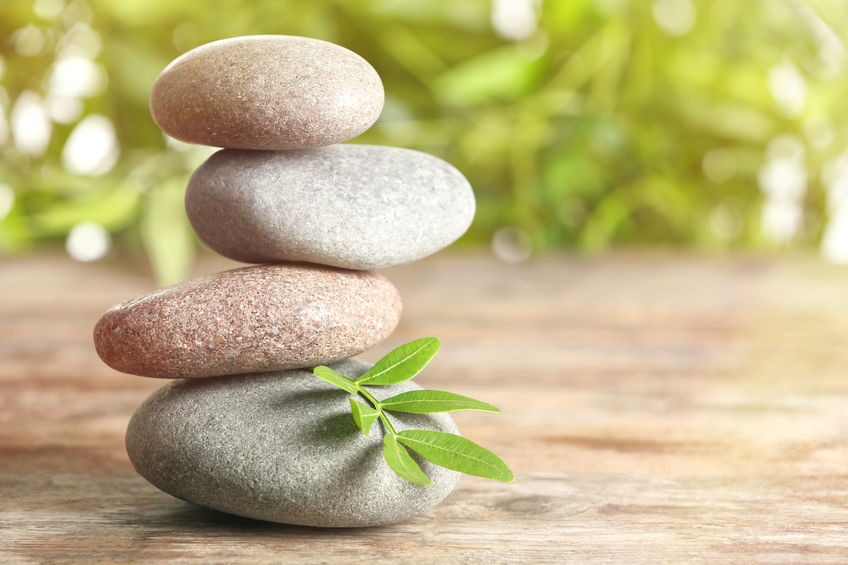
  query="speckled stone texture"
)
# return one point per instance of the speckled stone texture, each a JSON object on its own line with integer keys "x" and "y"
{"x": 261, "y": 318}
{"x": 281, "y": 447}
{"x": 350, "y": 206}
{"x": 267, "y": 92}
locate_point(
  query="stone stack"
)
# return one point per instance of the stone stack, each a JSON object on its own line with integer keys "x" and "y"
{"x": 247, "y": 428}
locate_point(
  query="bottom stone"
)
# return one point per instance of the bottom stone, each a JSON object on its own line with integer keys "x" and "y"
{"x": 281, "y": 447}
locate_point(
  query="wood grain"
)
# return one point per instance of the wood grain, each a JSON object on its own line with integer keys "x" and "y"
{"x": 657, "y": 409}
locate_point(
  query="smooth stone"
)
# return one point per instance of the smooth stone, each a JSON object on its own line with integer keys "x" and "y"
{"x": 267, "y": 92}
{"x": 261, "y": 318}
{"x": 281, "y": 447}
{"x": 350, "y": 206}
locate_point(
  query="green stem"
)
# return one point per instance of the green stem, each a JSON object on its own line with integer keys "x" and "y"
{"x": 378, "y": 407}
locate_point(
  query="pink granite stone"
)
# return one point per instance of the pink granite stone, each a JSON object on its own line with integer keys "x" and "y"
{"x": 267, "y": 92}
{"x": 255, "y": 319}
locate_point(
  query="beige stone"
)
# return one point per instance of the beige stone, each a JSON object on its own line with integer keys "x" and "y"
{"x": 267, "y": 92}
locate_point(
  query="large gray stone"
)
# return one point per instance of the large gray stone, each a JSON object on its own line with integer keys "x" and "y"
{"x": 351, "y": 206}
{"x": 261, "y": 318}
{"x": 281, "y": 447}
{"x": 267, "y": 92}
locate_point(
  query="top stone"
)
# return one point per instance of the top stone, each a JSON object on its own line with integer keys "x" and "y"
{"x": 267, "y": 92}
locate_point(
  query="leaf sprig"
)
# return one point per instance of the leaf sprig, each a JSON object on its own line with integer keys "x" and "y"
{"x": 448, "y": 450}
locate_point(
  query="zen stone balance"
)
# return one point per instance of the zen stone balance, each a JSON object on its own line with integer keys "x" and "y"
{"x": 248, "y": 429}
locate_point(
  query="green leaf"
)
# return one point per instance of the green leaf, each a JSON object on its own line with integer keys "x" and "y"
{"x": 506, "y": 73}
{"x": 363, "y": 414}
{"x": 427, "y": 401}
{"x": 402, "y": 462}
{"x": 114, "y": 210}
{"x": 457, "y": 453}
{"x": 165, "y": 232}
{"x": 448, "y": 450}
{"x": 332, "y": 377}
{"x": 402, "y": 363}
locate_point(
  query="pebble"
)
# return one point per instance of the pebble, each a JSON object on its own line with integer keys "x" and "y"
{"x": 349, "y": 206}
{"x": 281, "y": 447}
{"x": 253, "y": 319}
{"x": 267, "y": 92}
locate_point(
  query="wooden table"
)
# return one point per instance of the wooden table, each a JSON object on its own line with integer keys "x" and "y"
{"x": 657, "y": 409}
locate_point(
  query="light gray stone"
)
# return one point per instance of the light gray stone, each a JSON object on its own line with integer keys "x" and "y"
{"x": 261, "y": 318}
{"x": 281, "y": 447}
{"x": 267, "y": 92}
{"x": 351, "y": 206}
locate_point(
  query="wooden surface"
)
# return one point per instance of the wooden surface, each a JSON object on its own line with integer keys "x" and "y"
{"x": 657, "y": 409}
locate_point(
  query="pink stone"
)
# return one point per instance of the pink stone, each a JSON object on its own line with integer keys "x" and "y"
{"x": 254, "y": 319}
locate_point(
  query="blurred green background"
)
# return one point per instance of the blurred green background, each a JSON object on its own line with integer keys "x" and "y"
{"x": 581, "y": 124}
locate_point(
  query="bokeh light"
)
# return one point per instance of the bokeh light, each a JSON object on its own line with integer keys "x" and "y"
{"x": 31, "y": 127}
{"x": 88, "y": 241}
